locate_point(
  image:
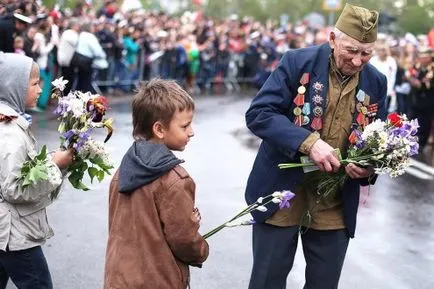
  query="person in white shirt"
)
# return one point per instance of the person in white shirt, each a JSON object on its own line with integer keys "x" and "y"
{"x": 89, "y": 46}
{"x": 67, "y": 44}
{"x": 387, "y": 65}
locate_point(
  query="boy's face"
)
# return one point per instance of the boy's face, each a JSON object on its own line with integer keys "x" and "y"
{"x": 33, "y": 90}
{"x": 179, "y": 131}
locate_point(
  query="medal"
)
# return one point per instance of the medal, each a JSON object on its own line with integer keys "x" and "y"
{"x": 297, "y": 111}
{"x": 298, "y": 120}
{"x": 360, "y": 119}
{"x": 316, "y": 124}
{"x": 299, "y": 100}
{"x": 318, "y": 111}
{"x": 301, "y": 90}
{"x": 317, "y": 99}
{"x": 304, "y": 79}
{"x": 360, "y": 95}
{"x": 318, "y": 86}
{"x": 306, "y": 108}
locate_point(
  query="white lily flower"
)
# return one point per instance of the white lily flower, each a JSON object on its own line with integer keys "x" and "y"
{"x": 260, "y": 200}
{"x": 261, "y": 209}
{"x": 277, "y": 194}
{"x": 60, "y": 83}
{"x": 276, "y": 200}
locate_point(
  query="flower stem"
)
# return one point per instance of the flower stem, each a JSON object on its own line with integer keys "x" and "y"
{"x": 242, "y": 213}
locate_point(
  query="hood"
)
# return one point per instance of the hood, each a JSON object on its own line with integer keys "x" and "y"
{"x": 15, "y": 76}
{"x": 143, "y": 163}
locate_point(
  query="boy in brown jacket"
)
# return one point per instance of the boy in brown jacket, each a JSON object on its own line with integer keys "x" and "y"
{"x": 153, "y": 225}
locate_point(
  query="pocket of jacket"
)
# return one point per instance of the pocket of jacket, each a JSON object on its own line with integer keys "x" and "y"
{"x": 35, "y": 226}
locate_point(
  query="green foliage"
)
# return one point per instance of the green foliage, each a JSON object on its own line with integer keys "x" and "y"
{"x": 96, "y": 168}
{"x": 34, "y": 170}
{"x": 415, "y": 19}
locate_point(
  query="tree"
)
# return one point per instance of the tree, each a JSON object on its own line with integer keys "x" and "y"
{"x": 415, "y": 19}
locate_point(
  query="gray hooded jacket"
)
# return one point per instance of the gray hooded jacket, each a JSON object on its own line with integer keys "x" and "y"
{"x": 23, "y": 219}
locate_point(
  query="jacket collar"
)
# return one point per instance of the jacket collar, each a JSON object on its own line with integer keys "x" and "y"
{"x": 8, "y": 111}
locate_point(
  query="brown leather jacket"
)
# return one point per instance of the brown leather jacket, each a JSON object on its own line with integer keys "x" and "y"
{"x": 152, "y": 235}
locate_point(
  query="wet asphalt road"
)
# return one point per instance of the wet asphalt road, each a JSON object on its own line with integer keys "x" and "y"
{"x": 393, "y": 248}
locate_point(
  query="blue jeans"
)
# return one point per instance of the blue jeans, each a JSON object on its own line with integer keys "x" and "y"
{"x": 27, "y": 269}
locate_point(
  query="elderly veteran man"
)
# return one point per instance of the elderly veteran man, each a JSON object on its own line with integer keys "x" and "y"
{"x": 308, "y": 107}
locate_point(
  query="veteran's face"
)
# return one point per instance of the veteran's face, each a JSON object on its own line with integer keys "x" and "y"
{"x": 350, "y": 55}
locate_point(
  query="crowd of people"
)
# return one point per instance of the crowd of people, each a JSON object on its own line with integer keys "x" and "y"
{"x": 106, "y": 49}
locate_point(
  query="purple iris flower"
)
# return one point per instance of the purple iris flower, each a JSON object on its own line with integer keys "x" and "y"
{"x": 70, "y": 133}
{"x": 414, "y": 148}
{"x": 251, "y": 222}
{"x": 286, "y": 197}
{"x": 61, "y": 109}
{"x": 360, "y": 143}
{"x": 82, "y": 139}
{"x": 414, "y": 126}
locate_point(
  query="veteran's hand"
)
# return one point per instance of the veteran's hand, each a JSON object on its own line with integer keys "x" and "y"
{"x": 324, "y": 157}
{"x": 63, "y": 159}
{"x": 196, "y": 216}
{"x": 356, "y": 172}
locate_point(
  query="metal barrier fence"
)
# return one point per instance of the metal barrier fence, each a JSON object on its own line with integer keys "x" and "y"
{"x": 231, "y": 77}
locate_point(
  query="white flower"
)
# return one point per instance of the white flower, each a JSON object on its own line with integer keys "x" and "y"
{"x": 60, "y": 83}
{"x": 276, "y": 200}
{"x": 262, "y": 209}
{"x": 277, "y": 194}
{"x": 260, "y": 200}
{"x": 376, "y": 126}
{"x": 76, "y": 106}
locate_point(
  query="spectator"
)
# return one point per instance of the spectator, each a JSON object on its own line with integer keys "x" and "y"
{"x": 88, "y": 46}
{"x": 10, "y": 25}
{"x": 19, "y": 45}
{"x": 67, "y": 45}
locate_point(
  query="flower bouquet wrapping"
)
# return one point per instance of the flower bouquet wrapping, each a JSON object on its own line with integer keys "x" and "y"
{"x": 386, "y": 146}
{"x": 79, "y": 115}
{"x": 280, "y": 197}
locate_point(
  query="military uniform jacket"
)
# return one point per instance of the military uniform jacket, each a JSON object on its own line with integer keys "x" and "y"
{"x": 270, "y": 117}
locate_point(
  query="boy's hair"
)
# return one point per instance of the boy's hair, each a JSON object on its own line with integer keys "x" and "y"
{"x": 157, "y": 100}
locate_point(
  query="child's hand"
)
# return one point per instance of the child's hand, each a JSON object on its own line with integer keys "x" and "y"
{"x": 196, "y": 216}
{"x": 63, "y": 159}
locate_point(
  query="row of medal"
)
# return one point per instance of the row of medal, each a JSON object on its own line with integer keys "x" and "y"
{"x": 365, "y": 111}
{"x": 302, "y": 109}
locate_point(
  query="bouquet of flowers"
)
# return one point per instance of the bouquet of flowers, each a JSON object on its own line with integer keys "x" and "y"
{"x": 386, "y": 146}
{"x": 282, "y": 198}
{"x": 79, "y": 114}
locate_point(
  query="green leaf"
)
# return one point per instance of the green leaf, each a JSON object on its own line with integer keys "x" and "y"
{"x": 38, "y": 173}
{"x": 42, "y": 156}
{"x": 93, "y": 172}
{"x": 100, "y": 176}
{"x": 75, "y": 180}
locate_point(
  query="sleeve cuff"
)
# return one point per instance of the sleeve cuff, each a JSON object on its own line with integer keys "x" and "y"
{"x": 308, "y": 143}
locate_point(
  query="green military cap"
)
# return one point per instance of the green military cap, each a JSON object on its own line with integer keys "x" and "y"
{"x": 358, "y": 23}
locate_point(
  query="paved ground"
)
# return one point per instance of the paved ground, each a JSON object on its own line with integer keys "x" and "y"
{"x": 393, "y": 248}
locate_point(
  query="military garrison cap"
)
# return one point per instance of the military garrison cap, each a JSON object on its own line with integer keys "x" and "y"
{"x": 358, "y": 23}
